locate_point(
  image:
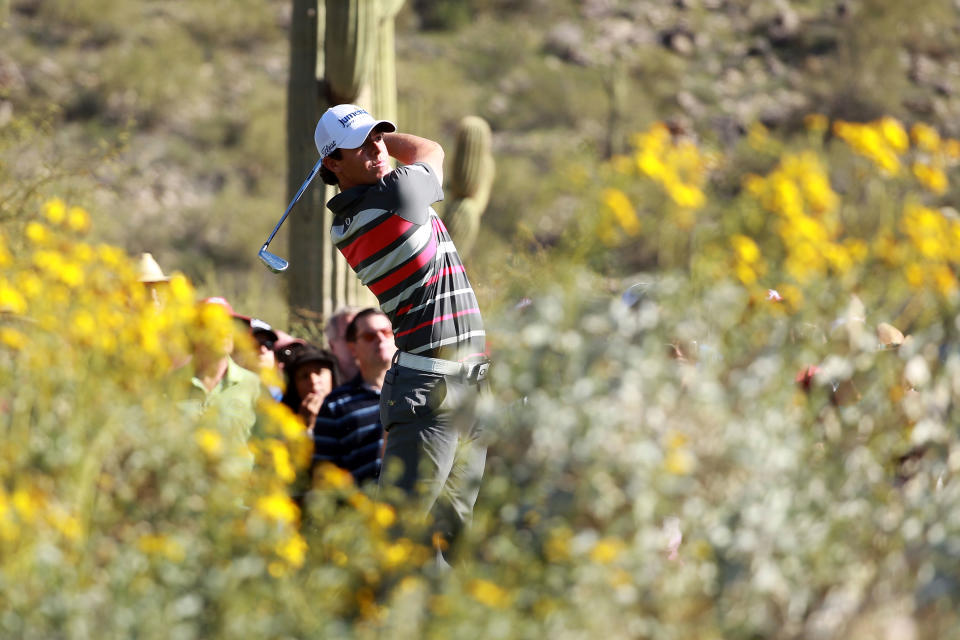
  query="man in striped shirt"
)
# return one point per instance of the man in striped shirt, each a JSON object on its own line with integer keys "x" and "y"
{"x": 348, "y": 432}
{"x": 385, "y": 227}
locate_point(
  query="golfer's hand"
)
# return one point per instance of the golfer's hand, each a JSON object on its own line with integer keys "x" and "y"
{"x": 310, "y": 408}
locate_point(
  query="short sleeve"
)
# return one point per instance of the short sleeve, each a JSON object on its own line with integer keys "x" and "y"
{"x": 409, "y": 191}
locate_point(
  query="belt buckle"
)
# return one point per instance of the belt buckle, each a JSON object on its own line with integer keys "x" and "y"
{"x": 477, "y": 372}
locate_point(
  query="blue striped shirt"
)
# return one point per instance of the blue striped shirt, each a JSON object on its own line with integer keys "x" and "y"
{"x": 348, "y": 432}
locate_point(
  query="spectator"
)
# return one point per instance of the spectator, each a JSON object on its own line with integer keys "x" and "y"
{"x": 286, "y": 347}
{"x": 266, "y": 339}
{"x": 311, "y": 374}
{"x": 152, "y": 276}
{"x": 220, "y": 389}
{"x": 336, "y": 331}
{"x": 348, "y": 432}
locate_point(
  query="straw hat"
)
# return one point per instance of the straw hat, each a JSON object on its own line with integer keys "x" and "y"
{"x": 149, "y": 270}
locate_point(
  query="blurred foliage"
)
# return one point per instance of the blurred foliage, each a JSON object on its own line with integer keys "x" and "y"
{"x": 740, "y": 442}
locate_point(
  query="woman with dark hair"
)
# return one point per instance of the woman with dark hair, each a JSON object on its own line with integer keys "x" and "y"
{"x": 311, "y": 374}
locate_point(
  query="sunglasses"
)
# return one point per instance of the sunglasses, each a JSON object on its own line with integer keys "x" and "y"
{"x": 370, "y": 336}
{"x": 267, "y": 342}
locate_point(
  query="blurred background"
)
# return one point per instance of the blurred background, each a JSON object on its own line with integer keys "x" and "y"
{"x": 167, "y": 119}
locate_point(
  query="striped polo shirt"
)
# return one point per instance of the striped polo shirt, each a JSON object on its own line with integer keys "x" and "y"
{"x": 400, "y": 249}
{"x": 348, "y": 432}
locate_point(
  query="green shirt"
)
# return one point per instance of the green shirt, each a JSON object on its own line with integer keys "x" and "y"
{"x": 230, "y": 406}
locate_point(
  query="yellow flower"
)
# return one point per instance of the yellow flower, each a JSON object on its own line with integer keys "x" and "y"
{"x": 83, "y": 325}
{"x": 745, "y": 274}
{"x": 78, "y": 219}
{"x": 70, "y": 274}
{"x": 67, "y": 525}
{"x": 894, "y": 134}
{"x": 650, "y": 164}
{"x": 278, "y": 507}
{"x": 55, "y": 211}
{"x": 606, "y": 550}
{"x": 30, "y": 284}
{"x": 945, "y": 281}
{"x": 933, "y": 178}
{"x": 281, "y": 461}
{"x": 679, "y": 461}
{"x": 5, "y": 258}
{"x": 747, "y": 250}
{"x": 384, "y": 515}
{"x": 37, "y": 233}
{"x": 915, "y": 275}
{"x": 488, "y": 593}
{"x": 398, "y": 553}
{"x": 622, "y": 208}
{"x": 925, "y": 137}
{"x": 293, "y": 550}
{"x": 12, "y": 338}
{"x": 331, "y": 476}
{"x": 161, "y": 545}
{"x": 10, "y": 299}
{"x": 112, "y": 257}
{"x": 685, "y": 195}
{"x": 951, "y": 148}
{"x": 26, "y": 504}
{"x": 209, "y": 441}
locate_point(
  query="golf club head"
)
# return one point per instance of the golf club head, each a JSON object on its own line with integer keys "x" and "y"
{"x": 273, "y": 262}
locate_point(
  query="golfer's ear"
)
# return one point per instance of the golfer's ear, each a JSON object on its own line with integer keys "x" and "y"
{"x": 352, "y": 346}
{"x": 330, "y": 163}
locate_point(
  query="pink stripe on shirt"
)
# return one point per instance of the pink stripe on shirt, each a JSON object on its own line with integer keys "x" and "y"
{"x": 440, "y": 319}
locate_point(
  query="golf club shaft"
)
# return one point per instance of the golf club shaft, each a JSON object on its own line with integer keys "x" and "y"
{"x": 303, "y": 187}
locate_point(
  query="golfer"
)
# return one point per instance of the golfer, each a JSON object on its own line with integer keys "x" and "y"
{"x": 385, "y": 227}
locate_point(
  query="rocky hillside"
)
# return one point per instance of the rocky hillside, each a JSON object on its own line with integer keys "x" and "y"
{"x": 166, "y": 119}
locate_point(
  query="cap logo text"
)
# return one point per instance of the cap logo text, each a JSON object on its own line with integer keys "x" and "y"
{"x": 345, "y": 120}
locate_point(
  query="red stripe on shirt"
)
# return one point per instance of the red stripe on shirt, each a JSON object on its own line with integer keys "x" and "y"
{"x": 405, "y": 271}
{"x": 436, "y": 320}
{"x": 445, "y": 272}
{"x": 374, "y": 240}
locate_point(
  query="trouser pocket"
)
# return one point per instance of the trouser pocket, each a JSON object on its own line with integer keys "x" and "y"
{"x": 409, "y": 396}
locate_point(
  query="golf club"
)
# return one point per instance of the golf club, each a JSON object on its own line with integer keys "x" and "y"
{"x": 274, "y": 262}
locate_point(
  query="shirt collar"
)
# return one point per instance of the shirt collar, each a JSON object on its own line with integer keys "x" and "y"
{"x": 344, "y": 201}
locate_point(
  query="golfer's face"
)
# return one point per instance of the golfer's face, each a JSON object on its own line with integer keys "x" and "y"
{"x": 365, "y": 164}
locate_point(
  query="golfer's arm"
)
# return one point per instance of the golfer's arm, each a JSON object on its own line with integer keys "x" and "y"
{"x": 408, "y": 148}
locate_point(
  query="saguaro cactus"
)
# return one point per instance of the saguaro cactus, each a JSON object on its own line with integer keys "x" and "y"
{"x": 358, "y": 39}
{"x": 471, "y": 180}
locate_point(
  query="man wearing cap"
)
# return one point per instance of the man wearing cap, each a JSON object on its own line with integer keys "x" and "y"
{"x": 385, "y": 227}
{"x": 311, "y": 374}
{"x": 265, "y": 338}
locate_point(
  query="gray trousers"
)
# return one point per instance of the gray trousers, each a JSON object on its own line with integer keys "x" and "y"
{"x": 434, "y": 448}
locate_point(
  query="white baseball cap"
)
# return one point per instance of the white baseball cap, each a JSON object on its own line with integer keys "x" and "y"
{"x": 345, "y": 126}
